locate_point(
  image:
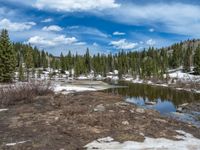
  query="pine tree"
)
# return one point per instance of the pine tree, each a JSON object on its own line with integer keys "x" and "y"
{"x": 87, "y": 61}
{"x": 197, "y": 60}
{"x": 21, "y": 72}
{"x": 62, "y": 63}
{"x": 29, "y": 61}
{"x": 187, "y": 60}
{"x": 7, "y": 58}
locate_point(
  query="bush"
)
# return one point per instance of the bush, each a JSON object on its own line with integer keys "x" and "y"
{"x": 23, "y": 92}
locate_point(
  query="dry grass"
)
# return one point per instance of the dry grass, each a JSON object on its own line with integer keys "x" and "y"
{"x": 23, "y": 93}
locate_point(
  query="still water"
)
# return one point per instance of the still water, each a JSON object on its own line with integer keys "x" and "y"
{"x": 166, "y": 99}
{"x": 163, "y": 99}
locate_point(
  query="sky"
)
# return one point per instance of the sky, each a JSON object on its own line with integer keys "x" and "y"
{"x": 103, "y": 26}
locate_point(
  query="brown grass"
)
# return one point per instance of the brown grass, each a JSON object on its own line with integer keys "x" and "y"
{"x": 23, "y": 93}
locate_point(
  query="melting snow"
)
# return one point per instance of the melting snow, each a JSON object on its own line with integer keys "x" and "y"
{"x": 186, "y": 142}
{"x": 13, "y": 144}
{"x": 70, "y": 88}
{"x": 3, "y": 110}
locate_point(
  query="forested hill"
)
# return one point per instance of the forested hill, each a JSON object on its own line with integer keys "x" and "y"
{"x": 149, "y": 63}
{"x": 41, "y": 58}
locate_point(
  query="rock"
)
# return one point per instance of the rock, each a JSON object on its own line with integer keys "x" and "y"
{"x": 99, "y": 108}
{"x": 122, "y": 104}
{"x": 150, "y": 103}
{"x": 111, "y": 111}
{"x": 132, "y": 110}
{"x": 140, "y": 110}
{"x": 122, "y": 111}
{"x": 180, "y": 110}
{"x": 161, "y": 120}
{"x": 56, "y": 118}
{"x": 125, "y": 122}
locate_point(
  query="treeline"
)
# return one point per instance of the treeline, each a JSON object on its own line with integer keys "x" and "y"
{"x": 149, "y": 63}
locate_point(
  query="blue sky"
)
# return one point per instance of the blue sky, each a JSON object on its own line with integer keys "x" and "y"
{"x": 101, "y": 25}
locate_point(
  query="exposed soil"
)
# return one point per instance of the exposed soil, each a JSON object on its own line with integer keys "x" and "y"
{"x": 68, "y": 122}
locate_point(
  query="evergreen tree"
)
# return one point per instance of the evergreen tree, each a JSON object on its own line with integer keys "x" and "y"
{"x": 197, "y": 60}
{"x": 87, "y": 61}
{"x": 62, "y": 63}
{"x": 7, "y": 58}
{"x": 163, "y": 61}
{"x": 187, "y": 60}
{"x": 21, "y": 72}
{"x": 28, "y": 61}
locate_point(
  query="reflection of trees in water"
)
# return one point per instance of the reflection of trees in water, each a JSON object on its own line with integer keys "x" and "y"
{"x": 153, "y": 93}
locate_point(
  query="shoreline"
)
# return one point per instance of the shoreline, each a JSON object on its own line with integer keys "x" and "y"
{"x": 172, "y": 86}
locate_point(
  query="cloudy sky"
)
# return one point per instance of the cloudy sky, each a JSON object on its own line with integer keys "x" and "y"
{"x": 101, "y": 25}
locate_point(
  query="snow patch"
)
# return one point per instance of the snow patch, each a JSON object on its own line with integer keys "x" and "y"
{"x": 186, "y": 142}
{"x": 71, "y": 88}
{"x": 82, "y": 78}
{"x": 3, "y": 110}
{"x": 184, "y": 76}
{"x": 13, "y": 144}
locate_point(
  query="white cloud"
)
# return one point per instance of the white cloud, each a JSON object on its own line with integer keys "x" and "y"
{"x": 172, "y": 18}
{"x": 119, "y": 33}
{"x": 95, "y": 44}
{"x": 47, "y": 20}
{"x": 151, "y": 30}
{"x": 123, "y": 44}
{"x": 76, "y": 5}
{"x": 72, "y": 27}
{"x": 47, "y": 42}
{"x": 15, "y": 26}
{"x": 150, "y": 42}
{"x": 86, "y": 30}
{"x": 52, "y": 28}
{"x": 80, "y": 43}
{"x": 6, "y": 12}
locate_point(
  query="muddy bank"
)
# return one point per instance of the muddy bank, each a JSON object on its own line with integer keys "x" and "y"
{"x": 68, "y": 122}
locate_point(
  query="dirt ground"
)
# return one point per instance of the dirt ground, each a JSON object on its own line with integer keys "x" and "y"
{"x": 69, "y": 122}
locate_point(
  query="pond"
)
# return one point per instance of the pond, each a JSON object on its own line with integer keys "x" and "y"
{"x": 163, "y": 99}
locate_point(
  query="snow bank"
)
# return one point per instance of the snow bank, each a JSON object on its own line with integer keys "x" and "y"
{"x": 184, "y": 76}
{"x": 82, "y": 78}
{"x": 186, "y": 142}
{"x": 71, "y": 88}
{"x": 128, "y": 79}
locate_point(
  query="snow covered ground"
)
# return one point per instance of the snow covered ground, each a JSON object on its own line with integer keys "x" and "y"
{"x": 184, "y": 76}
{"x": 177, "y": 75}
{"x": 186, "y": 142}
{"x": 67, "y": 88}
{"x": 71, "y": 88}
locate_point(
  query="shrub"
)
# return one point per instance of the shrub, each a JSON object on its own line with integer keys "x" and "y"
{"x": 23, "y": 92}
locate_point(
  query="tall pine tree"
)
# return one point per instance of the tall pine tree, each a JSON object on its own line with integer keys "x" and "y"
{"x": 187, "y": 60}
{"x": 197, "y": 60}
{"x": 29, "y": 61}
{"x": 7, "y": 58}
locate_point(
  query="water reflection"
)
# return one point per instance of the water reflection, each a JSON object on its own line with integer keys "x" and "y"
{"x": 163, "y": 99}
{"x": 154, "y": 93}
